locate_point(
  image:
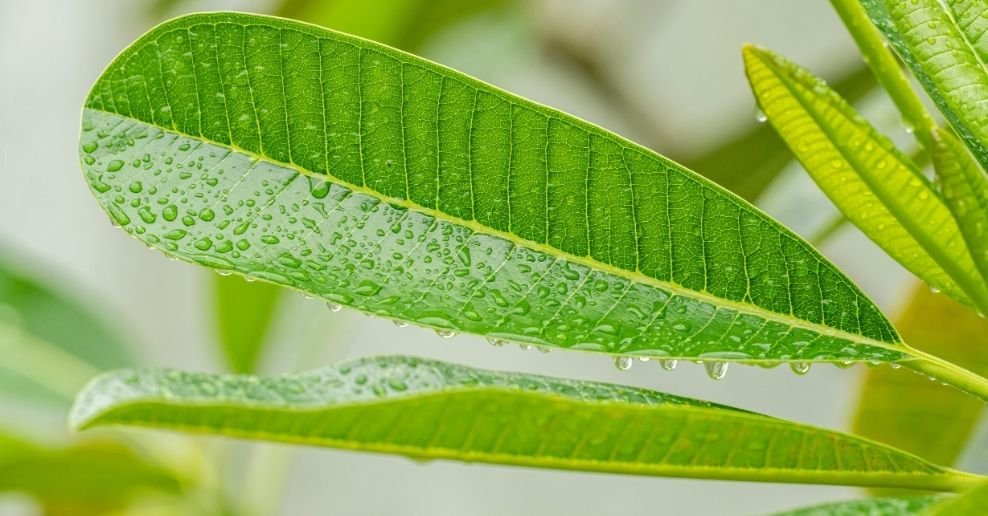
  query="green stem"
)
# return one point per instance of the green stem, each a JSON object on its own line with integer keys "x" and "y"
{"x": 887, "y": 70}
{"x": 949, "y": 373}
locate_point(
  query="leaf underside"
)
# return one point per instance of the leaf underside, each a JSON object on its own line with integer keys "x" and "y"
{"x": 974, "y": 501}
{"x": 432, "y": 410}
{"x": 384, "y": 182}
{"x": 872, "y": 507}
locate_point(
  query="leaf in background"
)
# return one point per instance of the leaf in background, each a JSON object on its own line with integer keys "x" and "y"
{"x": 433, "y": 410}
{"x": 943, "y": 43}
{"x": 94, "y": 477}
{"x": 965, "y": 190}
{"x": 908, "y": 411}
{"x": 50, "y": 344}
{"x": 749, "y": 162}
{"x": 244, "y": 312}
{"x": 404, "y": 24}
{"x": 384, "y": 182}
{"x": 880, "y": 190}
{"x": 872, "y": 507}
{"x": 972, "y": 502}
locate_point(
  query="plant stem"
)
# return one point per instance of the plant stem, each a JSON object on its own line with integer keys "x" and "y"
{"x": 886, "y": 68}
{"x": 949, "y": 373}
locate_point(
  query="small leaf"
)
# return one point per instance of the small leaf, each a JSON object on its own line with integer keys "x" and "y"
{"x": 244, "y": 312}
{"x": 974, "y": 501}
{"x": 871, "y": 507}
{"x": 907, "y": 410}
{"x": 942, "y": 43}
{"x": 880, "y": 190}
{"x": 432, "y": 410}
{"x": 387, "y": 183}
{"x": 965, "y": 190}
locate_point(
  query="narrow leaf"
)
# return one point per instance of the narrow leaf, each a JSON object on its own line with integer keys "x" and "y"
{"x": 910, "y": 412}
{"x": 972, "y": 502}
{"x": 433, "y": 410}
{"x": 872, "y": 507}
{"x": 384, "y": 182}
{"x": 880, "y": 190}
{"x": 943, "y": 44}
{"x": 244, "y": 312}
{"x": 965, "y": 190}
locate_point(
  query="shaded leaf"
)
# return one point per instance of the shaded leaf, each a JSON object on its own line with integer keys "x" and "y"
{"x": 943, "y": 44}
{"x": 432, "y": 410}
{"x": 905, "y": 506}
{"x": 244, "y": 313}
{"x": 384, "y": 182}
{"x": 880, "y": 190}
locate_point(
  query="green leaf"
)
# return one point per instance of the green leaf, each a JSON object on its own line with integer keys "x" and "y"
{"x": 760, "y": 150}
{"x": 50, "y": 342}
{"x": 943, "y": 44}
{"x": 244, "y": 313}
{"x": 912, "y": 413}
{"x": 880, "y": 190}
{"x": 384, "y": 182}
{"x": 93, "y": 477}
{"x": 972, "y": 502}
{"x": 432, "y": 410}
{"x": 965, "y": 190}
{"x": 904, "y": 506}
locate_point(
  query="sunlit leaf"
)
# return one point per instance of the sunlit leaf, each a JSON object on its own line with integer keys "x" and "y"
{"x": 943, "y": 43}
{"x": 384, "y": 182}
{"x": 904, "y": 506}
{"x": 880, "y": 190}
{"x": 907, "y": 410}
{"x": 433, "y": 410}
{"x": 244, "y": 313}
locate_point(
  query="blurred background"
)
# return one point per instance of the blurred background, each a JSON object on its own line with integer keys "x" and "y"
{"x": 667, "y": 74}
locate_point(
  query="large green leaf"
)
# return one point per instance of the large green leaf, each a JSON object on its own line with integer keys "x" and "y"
{"x": 972, "y": 502}
{"x": 912, "y": 413}
{"x": 433, "y": 410}
{"x": 384, "y": 182}
{"x": 50, "y": 343}
{"x": 880, "y": 190}
{"x": 905, "y": 506}
{"x": 244, "y": 313}
{"x": 93, "y": 477}
{"x": 943, "y": 43}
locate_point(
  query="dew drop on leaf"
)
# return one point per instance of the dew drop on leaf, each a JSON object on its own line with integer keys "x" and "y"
{"x": 716, "y": 369}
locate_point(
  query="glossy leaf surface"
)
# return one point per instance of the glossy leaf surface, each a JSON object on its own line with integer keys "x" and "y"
{"x": 905, "y": 506}
{"x": 880, "y": 190}
{"x": 384, "y": 182}
{"x": 944, "y": 44}
{"x": 433, "y": 410}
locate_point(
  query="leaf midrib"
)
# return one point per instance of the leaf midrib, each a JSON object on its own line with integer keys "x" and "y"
{"x": 587, "y": 261}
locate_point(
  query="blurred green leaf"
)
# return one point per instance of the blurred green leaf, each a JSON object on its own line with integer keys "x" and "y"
{"x": 907, "y": 410}
{"x": 904, "y": 506}
{"x": 878, "y": 188}
{"x": 433, "y": 410}
{"x": 973, "y": 502}
{"x": 91, "y": 477}
{"x": 244, "y": 313}
{"x": 404, "y": 24}
{"x": 942, "y": 43}
{"x": 747, "y": 163}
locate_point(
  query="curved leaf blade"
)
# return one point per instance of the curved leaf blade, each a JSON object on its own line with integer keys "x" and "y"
{"x": 974, "y": 501}
{"x": 880, "y": 190}
{"x": 432, "y": 410}
{"x": 411, "y": 191}
{"x": 904, "y": 506}
{"x": 943, "y": 44}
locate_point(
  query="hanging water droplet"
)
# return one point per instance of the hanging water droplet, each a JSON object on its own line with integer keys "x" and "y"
{"x": 800, "y": 368}
{"x": 446, "y": 334}
{"x": 496, "y": 342}
{"x": 333, "y": 307}
{"x": 525, "y": 347}
{"x": 668, "y": 363}
{"x": 542, "y": 349}
{"x": 623, "y": 363}
{"x": 934, "y": 290}
{"x": 760, "y": 116}
{"x": 716, "y": 369}
{"x": 222, "y": 272}
{"x": 643, "y": 359}
{"x": 399, "y": 323}
{"x": 893, "y": 365}
{"x": 844, "y": 365}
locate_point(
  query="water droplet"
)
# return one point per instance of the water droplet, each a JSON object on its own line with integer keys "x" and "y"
{"x": 668, "y": 363}
{"x": 446, "y": 334}
{"x": 643, "y": 359}
{"x": 542, "y": 349}
{"x": 716, "y": 369}
{"x": 496, "y": 342}
{"x": 934, "y": 290}
{"x": 623, "y": 363}
{"x": 800, "y": 368}
{"x": 760, "y": 116}
{"x": 399, "y": 323}
{"x": 525, "y": 347}
{"x": 893, "y": 365}
{"x": 333, "y": 307}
